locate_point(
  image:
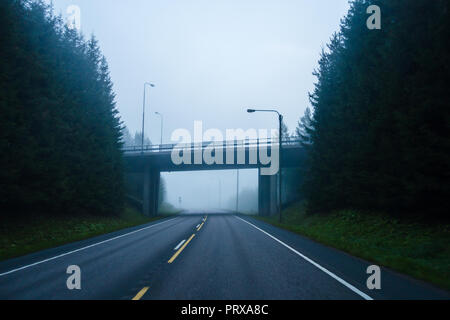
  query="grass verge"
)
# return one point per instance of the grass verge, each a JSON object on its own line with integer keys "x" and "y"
{"x": 42, "y": 232}
{"x": 409, "y": 246}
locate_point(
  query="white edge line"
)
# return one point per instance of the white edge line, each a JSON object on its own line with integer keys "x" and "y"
{"x": 331, "y": 274}
{"x": 179, "y": 245}
{"x": 197, "y": 226}
{"x": 80, "y": 249}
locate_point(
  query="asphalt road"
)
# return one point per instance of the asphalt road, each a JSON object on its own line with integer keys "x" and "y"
{"x": 189, "y": 257}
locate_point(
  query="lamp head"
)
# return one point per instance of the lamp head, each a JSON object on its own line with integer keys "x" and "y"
{"x": 251, "y": 110}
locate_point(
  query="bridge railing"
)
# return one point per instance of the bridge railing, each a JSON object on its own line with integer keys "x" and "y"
{"x": 217, "y": 144}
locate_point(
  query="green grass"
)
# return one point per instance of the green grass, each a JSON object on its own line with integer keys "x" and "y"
{"x": 409, "y": 246}
{"x": 20, "y": 237}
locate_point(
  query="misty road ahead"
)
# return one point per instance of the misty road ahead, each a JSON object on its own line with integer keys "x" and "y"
{"x": 202, "y": 255}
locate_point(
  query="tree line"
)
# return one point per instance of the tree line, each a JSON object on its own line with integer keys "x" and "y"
{"x": 134, "y": 141}
{"x": 60, "y": 133}
{"x": 377, "y": 135}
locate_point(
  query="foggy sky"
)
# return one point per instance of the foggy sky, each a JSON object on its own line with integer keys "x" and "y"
{"x": 210, "y": 59}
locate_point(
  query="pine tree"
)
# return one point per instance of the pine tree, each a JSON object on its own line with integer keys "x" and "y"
{"x": 380, "y": 137}
{"x": 305, "y": 128}
{"x": 58, "y": 119}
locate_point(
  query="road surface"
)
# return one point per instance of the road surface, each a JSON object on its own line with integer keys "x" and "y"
{"x": 212, "y": 256}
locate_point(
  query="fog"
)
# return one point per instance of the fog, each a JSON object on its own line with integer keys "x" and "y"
{"x": 209, "y": 61}
{"x": 211, "y": 189}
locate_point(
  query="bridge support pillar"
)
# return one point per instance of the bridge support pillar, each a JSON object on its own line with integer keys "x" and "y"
{"x": 267, "y": 195}
{"x": 150, "y": 194}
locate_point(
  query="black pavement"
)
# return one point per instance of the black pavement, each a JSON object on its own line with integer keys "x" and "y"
{"x": 224, "y": 256}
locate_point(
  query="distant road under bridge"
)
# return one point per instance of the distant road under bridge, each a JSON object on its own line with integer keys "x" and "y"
{"x": 150, "y": 161}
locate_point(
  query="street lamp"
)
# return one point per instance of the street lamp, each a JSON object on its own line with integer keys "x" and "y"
{"x": 220, "y": 193}
{"x": 143, "y": 113}
{"x": 162, "y": 123}
{"x": 237, "y": 190}
{"x": 280, "y": 122}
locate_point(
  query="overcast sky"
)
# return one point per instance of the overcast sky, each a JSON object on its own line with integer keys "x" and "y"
{"x": 210, "y": 59}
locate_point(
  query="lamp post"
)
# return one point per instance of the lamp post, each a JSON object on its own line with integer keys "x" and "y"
{"x": 220, "y": 193}
{"x": 237, "y": 190}
{"x": 280, "y": 141}
{"x": 143, "y": 113}
{"x": 162, "y": 123}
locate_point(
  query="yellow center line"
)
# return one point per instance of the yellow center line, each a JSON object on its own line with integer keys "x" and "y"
{"x": 140, "y": 293}
{"x": 198, "y": 229}
{"x": 181, "y": 249}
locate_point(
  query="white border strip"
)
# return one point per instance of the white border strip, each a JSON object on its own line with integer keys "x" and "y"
{"x": 331, "y": 274}
{"x": 80, "y": 249}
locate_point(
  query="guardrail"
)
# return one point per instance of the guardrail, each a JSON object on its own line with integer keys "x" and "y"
{"x": 216, "y": 144}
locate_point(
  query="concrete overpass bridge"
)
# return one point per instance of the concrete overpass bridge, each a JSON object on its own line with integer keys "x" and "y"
{"x": 149, "y": 161}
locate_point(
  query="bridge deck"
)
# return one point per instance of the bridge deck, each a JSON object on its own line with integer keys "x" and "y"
{"x": 160, "y": 156}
